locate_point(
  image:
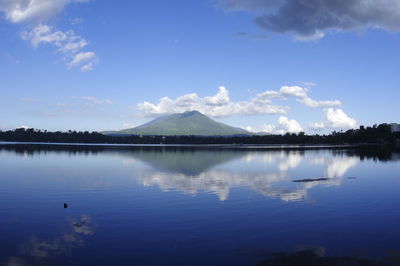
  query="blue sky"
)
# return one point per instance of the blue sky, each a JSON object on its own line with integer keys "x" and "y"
{"x": 100, "y": 65}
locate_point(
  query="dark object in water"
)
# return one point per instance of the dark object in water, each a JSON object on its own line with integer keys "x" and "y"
{"x": 65, "y": 205}
{"x": 310, "y": 180}
{"x": 352, "y": 177}
{"x": 78, "y": 224}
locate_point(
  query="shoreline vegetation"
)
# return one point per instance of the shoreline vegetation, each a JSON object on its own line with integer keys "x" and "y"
{"x": 378, "y": 134}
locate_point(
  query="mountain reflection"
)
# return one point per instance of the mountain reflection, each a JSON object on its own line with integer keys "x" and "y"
{"x": 188, "y": 162}
{"x": 268, "y": 173}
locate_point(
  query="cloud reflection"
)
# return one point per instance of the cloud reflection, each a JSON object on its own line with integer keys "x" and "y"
{"x": 267, "y": 173}
{"x": 38, "y": 252}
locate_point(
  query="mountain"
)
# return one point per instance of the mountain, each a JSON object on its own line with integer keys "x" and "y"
{"x": 187, "y": 123}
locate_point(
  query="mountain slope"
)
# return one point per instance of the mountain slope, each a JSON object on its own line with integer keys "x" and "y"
{"x": 188, "y": 123}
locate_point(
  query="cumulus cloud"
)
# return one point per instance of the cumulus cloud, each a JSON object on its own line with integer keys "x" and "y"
{"x": 312, "y": 19}
{"x": 218, "y": 105}
{"x": 285, "y": 91}
{"x": 287, "y": 125}
{"x": 36, "y": 12}
{"x": 338, "y": 119}
{"x": 284, "y": 125}
{"x": 298, "y": 92}
{"x": 335, "y": 118}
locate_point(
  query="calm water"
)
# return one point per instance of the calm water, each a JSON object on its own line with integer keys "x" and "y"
{"x": 192, "y": 206}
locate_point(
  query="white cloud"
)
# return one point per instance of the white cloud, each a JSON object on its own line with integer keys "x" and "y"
{"x": 315, "y": 104}
{"x": 268, "y": 128}
{"x": 249, "y": 129}
{"x": 25, "y": 127}
{"x": 84, "y": 59}
{"x": 81, "y": 57}
{"x": 284, "y": 91}
{"x": 36, "y": 12}
{"x": 87, "y": 67}
{"x": 295, "y": 91}
{"x": 218, "y": 105}
{"x": 309, "y": 20}
{"x": 44, "y": 34}
{"x": 284, "y": 125}
{"x": 73, "y": 45}
{"x": 317, "y": 126}
{"x": 94, "y": 100}
{"x": 298, "y": 92}
{"x": 18, "y": 11}
{"x": 67, "y": 42}
{"x": 338, "y": 119}
{"x": 290, "y": 126}
{"x": 335, "y": 118}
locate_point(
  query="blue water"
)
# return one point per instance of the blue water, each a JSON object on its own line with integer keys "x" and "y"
{"x": 193, "y": 206}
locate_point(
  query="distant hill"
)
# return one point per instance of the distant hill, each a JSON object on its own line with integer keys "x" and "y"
{"x": 187, "y": 123}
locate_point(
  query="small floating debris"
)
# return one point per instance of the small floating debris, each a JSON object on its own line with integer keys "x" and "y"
{"x": 65, "y": 205}
{"x": 310, "y": 180}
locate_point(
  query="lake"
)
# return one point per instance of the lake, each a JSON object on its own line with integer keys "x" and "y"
{"x": 193, "y": 205}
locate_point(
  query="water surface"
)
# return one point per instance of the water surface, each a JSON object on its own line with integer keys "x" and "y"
{"x": 194, "y": 206}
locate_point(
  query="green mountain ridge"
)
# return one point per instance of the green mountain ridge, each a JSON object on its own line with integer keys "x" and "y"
{"x": 187, "y": 123}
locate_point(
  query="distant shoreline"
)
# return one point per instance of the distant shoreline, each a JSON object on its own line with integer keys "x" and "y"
{"x": 377, "y": 135}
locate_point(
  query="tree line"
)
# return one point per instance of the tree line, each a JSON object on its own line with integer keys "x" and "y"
{"x": 376, "y": 134}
